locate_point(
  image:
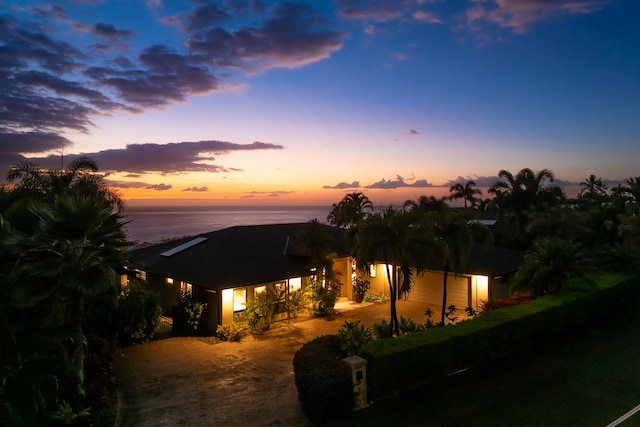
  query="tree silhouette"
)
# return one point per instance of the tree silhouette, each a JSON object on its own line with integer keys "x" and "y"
{"x": 466, "y": 192}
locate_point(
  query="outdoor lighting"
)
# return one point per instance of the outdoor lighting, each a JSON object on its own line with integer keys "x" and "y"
{"x": 372, "y": 270}
{"x": 169, "y": 281}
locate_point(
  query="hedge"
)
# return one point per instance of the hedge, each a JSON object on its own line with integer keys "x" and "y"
{"x": 410, "y": 360}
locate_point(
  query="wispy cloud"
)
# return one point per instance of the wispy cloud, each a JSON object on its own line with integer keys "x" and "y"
{"x": 143, "y": 185}
{"x": 399, "y": 182}
{"x": 195, "y": 189}
{"x": 277, "y": 193}
{"x": 343, "y": 185}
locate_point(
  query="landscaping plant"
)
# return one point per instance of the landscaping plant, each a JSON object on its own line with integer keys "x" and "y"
{"x": 353, "y": 335}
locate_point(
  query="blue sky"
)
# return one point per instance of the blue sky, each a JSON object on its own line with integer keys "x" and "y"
{"x": 271, "y": 102}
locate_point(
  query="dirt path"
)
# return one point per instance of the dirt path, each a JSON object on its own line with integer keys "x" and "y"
{"x": 185, "y": 381}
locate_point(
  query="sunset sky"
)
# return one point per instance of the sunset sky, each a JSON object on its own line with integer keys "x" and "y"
{"x": 263, "y": 102}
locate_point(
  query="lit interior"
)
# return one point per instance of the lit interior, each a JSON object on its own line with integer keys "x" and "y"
{"x": 239, "y": 299}
{"x": 295, "y": 284}
{"x": 372, "y": 270}
{"x": 169, "y": 281}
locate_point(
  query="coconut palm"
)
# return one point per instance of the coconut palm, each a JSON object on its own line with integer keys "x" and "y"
{"x": 593, "y": 187}
{"x": 425, "y": 204}
{"x": 350, "y": 210}
{"x": 466, "y": 192}
{"x": 74, "y": 254}
{"x": 455, "y": 235}
{"x": 400, "y": 239}
{"x": 527, "y": 191}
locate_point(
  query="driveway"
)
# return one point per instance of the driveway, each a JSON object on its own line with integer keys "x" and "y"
{"x": 189, "y": 381}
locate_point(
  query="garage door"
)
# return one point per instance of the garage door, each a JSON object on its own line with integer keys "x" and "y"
{"x": 428, "y": 289}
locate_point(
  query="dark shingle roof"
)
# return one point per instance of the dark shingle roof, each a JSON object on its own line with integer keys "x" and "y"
{"x": 236, "y": 256}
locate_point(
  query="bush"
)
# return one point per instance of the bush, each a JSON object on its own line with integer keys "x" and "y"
{"x": 138, "y": 313}
{"x": 374, "y": 298}
{"x": 382, "y": 330}
{"x": 353, "y": 335}
{"x": 515, "y": 299}
{"x": 323, "y": 382}
{"x": 233, "y": 332}
{"x": 188, "y": 313}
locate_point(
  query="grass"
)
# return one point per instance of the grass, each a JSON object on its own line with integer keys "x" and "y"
{"x": 588, "y": 379}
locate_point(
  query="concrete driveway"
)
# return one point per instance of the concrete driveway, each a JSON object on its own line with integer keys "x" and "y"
{"x": 188, "y": 381}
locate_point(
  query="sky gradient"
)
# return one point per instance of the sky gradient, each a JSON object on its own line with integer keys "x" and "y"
{"x": 262, "y": 102}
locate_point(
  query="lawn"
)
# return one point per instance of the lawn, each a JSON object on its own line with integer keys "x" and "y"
{"x": 588, "y": 379}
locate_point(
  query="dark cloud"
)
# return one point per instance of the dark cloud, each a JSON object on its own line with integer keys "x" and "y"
{"x": 291, "y": 35}
{"x": 143, "y": 185}
{"x": 50, "y": 87}
{"x": 343, "y": 185}
{"x": 169, "y": 158}
{"x": 197, "y": 189}
{"x": 386, "y": 10}
{"x": 413, "y": 132}
{"x": 481, "y": 181}
{"x": 398, "y": 183}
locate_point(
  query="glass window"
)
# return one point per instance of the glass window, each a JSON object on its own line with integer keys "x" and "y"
{"x": 295, "y": 284}
{"x": 239, "y": 299}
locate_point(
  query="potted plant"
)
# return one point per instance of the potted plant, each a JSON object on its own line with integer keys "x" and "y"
{"x": 360, "y": 287}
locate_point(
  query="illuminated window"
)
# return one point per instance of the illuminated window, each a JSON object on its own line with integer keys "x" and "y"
{"x": 186, "y": 287}
{"x": 295, "y": 284}
{"x": 239, "y": 299}
{"x": 141, "y": 274}
{"x": 259, "y": 289}
{"x": 169, "y": 281}
{"x": 372, "y": 270}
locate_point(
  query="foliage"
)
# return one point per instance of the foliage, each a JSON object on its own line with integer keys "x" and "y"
{"x": 323, "y": 382}
{"x": 493, "y": 334}
{"x": 466, "y": 192}
{"x": 549, "y": 264}
{"x": 409, "y": 326}
{"x": 360, "y": 286}
{"x": 375, "y": 298}
{"x": 350, "y": 210}
{"x": 67, "y": 414}
{"x": 188, "y": 313}
{"x": 353, "y": 335}
{"x": 382, "y": 330}
{"x": 323, "y": 298}
{"x": 138, "y": 313}
{"x": 233, "y": 332}
{"x": 515, "y": 299}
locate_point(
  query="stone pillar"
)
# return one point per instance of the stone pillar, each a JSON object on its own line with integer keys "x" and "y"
{"x": 358, "y": 367}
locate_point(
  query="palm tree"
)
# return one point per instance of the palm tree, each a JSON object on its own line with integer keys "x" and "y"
{"x": 593, "y": 187}
{"x": 400, "y": 238}
{"x": 455, "y": 235}
{"x": 525, "y": 192}
{"x": 466, "y": 192}
{"x": 350, "y": 210}
{"x": 426, "y": 204}
{"x": 74, "y": 254}
{"x": 548, "y": 264}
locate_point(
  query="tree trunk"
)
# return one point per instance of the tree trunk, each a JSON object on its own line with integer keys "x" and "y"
{"x": 79, "y": 340}
{"x": 444, "y": 290}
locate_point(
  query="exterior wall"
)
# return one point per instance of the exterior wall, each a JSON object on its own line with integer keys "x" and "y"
{"x": 342, "y": 267}
{"x": 211, "y": 316}
{"x": 379, "y": 283}
{"x": 428, "y": 289}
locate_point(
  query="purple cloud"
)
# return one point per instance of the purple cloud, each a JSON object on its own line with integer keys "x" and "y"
{"x": 398, "y": 183}
{"x": 197, "y": 189}
{"x": 343, "y": 185}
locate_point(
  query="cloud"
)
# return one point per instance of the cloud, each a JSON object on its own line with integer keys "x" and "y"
{"x": 290, "y": 35}
{"x": 343, "y": 185}
{"x": 519, "y": 15}
{"x": 197, "y": 189}
{"x": 276, "y": 193}
{"x": 171, "y": 158}
{"x": 413, "y": 132}
{"x": 386, "y": 10}
{"x": 52, "y": 83}
{"x": 143, "y": 185}
{"x": 398, "y": 183}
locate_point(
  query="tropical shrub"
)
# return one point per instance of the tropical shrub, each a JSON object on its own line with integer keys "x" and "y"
{"x": 375, "y": 298}
{"x": 138, "y": 313}
{"x": 233, "y": 332}
{"x": 353, "y": 335}
{"x": 187, "y": 314}
{"x": 409, "y": 326}
{"x": 323, "y": 298}
{"x": 323, "y": 382}
{"x": 360, "y": 288}
{"x": 382, "y": 330}
{"x": 515, "y": 299}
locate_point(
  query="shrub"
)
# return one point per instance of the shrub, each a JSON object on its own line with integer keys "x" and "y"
{"x": 382, "y": 330}
{"x": 515, "y": 299}
{"x": 138, "y": 313}
{"x": 233, "y": 332}
{"x": 323, "y": 382}
{"x": 408, "y": 326}
{"x": 323, "y": 298}
{"x": 374, "y": 298}
{"x": 353, "y": 335}
{"x": 187, "y": 314}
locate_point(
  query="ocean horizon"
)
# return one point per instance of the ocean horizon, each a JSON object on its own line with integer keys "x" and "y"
{"x": 156, "y": 223}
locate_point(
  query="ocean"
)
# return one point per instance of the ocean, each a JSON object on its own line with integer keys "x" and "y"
{"x": 156, "y": 223}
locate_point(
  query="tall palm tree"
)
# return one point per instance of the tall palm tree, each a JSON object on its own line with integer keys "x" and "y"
{"x": 527, "y": 191}
{"x": 466, "y": 192}
{"x": 455, "y": 235}
{"x": 75, "y": 253}
{"x": 400, "y": 239}
{"x": 426, "y": 204}
{"x": 350, "y": 210}
{"x": 593, "y": 187}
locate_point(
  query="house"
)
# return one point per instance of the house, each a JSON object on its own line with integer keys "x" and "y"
{"x": 227, "y": 268}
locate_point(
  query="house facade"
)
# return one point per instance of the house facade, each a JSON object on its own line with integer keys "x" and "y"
{"x": 227, "y": 269}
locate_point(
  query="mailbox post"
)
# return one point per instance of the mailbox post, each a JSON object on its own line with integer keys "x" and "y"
{"x": 358, "y": 367}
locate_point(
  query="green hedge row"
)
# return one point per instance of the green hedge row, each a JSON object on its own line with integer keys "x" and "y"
{"x": 411, "y": 360}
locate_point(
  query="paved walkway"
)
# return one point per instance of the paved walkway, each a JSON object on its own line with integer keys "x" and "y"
{"x": 186, "y": 381}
